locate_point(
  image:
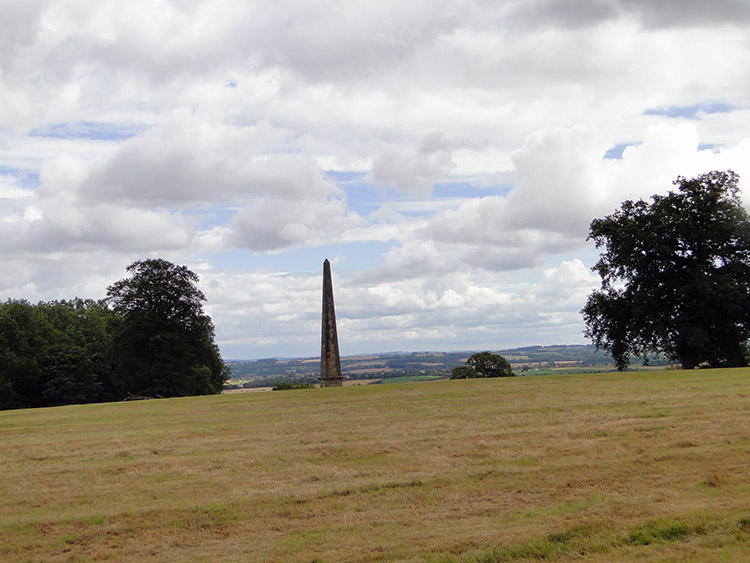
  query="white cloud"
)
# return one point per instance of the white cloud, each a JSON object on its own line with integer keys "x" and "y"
{"x": 672, "y": 13}
{"x": 57, "y": 227}
{"x": 10, "y": 189}
{"x": 190, "y": 159}
{"x": 275, "y": 224}
{"x": 456, "y": 311}
{"x": 562, "y": 184}
{"x": 470, "y": 136}
{"x": 414, "y": 172}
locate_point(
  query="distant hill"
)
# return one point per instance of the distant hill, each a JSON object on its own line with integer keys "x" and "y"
{"x": 529, "y": 359}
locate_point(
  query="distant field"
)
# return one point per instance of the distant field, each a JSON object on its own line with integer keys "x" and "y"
{"x": 613, "y": 467}
{"x": 398, "y": 364}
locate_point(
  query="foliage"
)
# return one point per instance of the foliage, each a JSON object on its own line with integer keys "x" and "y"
{"x": 287, "y": 386}
{"x": 164, "y": 343}
{"x": 463, "y": 372}
{"x": 675, "y": 276}
{"x": 155, "y": 341}
{"x": 54, "y": 353}
{"x": 483, "y": 364}
{"x": 274, "y": 381}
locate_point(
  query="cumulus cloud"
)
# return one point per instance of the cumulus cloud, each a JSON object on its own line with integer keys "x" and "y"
{"x": 562, "y": 184}
{"x": 674, "y": 13}
{"x": 263, "y": 310}
{"x": 55, "y": 226}
{"x": 273, "y": 224}
{"x": 472, "y": 307}
{"x": 414, "y": 172}
{"x": 667, "y": 13}
{"x": 451, "y": 154}
{"x": 458, "y": 311}
{"x": 125, "y": 197}
{"x": 190, "y": 159}
{"x": 562, "y": 290}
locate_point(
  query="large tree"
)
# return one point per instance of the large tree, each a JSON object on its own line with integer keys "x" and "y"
{"x": 164, "y": 343}
{"x": 483, "y": 364}
{"x": 675, "y": 276}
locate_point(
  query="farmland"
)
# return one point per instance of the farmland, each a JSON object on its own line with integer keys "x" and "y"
{"x": 531, "y": 359}
{"x": 650, "y": 465}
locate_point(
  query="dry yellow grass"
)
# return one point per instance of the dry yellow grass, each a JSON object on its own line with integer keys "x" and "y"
{"x": 593, "y": 467}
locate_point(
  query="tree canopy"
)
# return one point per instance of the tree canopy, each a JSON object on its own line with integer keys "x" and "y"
{"x": 164, "y": 343}
{"x": 54, "y": 353}
{"x": 154, "y": 341}
{"x": 675, "y": 276}
{"x": 483, "y": 364}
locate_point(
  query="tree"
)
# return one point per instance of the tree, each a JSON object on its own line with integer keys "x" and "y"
{"x": 463, "y": 372}
{"x": 19, "y": 341}
{"x": 163, "y": 342}
{"x": 54, "y": 353}
{"x": 483, "y": 364}
{"x": 675, "y": 276}
{"x": 74, "y": 357}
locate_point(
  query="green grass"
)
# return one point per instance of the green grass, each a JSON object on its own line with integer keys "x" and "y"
{"x": 612, "y": 467}
{"x": 413, "y": 378}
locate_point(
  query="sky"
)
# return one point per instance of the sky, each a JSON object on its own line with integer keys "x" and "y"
{"x": 447, "y": 156}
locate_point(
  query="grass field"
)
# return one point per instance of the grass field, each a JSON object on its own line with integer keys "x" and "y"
{"x": 413, "y": 378}
{"x": 648, "y": 465}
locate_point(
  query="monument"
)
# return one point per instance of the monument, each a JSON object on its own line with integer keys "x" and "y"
{"x": 330, "y": 362}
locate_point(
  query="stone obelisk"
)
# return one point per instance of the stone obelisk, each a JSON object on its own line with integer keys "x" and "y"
{"x": 330, "y": 362}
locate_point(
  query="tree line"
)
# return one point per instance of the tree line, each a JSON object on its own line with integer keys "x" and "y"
{"x": 148, "y": 338}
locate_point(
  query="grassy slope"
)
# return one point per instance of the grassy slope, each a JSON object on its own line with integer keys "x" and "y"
{"x": 412, "y": 379}
{"x": 652, "y": 465}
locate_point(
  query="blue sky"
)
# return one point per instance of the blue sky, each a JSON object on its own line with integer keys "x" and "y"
{"x": 446, "y": 156}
